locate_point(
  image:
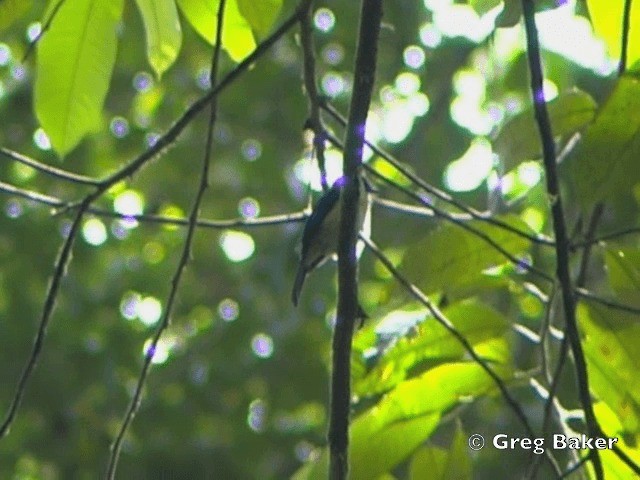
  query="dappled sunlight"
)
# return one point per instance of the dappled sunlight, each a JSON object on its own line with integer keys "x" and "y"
{"x": 236, "y": 245}
{"x": 471, "y": 169}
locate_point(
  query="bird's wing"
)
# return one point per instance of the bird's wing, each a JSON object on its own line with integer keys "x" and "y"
{"x": 326, "y": 203}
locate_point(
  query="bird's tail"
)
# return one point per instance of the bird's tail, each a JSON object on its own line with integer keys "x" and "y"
{"x": 297, "y": 284}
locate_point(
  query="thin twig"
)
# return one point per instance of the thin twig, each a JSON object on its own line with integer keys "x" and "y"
{"x": 49, "y": 170}
{"x": 606, "y": 236}
{"x": 626, "y": 20}
{"x": 397, "y": 164}
{"x": 559, "y": 227}
{"x": 281, "y": 219}
{"x": 311, "y": 86}
{"x": 554, "y": 381}
{"x": 446, "y": 323}
{"x": 52, "y": 292}
{"x": 184, "y": 258}
{"x": 584, "y": 293}
{"x": 464, "y": 225}
{"x": 415, "y": 210}
{"x": 45, "y": 27}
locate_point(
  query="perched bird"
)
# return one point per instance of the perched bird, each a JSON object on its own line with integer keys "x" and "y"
{"x": 320, "y": 236}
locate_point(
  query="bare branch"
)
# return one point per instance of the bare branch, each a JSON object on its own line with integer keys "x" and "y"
{"x": 559, "y": 227}
{"x": 49, "y": 170}
{"x": 184, "y": 259}
{"x": 364, "y": 76}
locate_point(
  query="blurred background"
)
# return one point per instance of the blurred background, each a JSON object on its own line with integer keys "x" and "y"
{"x": 239, "y": 384}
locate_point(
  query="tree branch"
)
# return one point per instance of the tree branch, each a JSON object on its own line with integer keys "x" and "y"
{"x": 184, "y": 258}
{"x": 559, "y": 227}
{"x": 364, "y": 75}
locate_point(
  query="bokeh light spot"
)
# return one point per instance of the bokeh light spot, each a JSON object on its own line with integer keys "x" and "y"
{"x": 228, "y": 310}
{"x": 33, "y": 30}
{"x": 149, "y": 310}
{"x": 237, "y": 246}
{"x": 333, "y": 54}
{"x": 333, "y": 84}
{"x": 129, "y": 305}
{"x": 469, "y": 171}
{"x": 262, "y": 345}
{"x": 257, "y": 416}
{"x": 5, "y": 54}
{"x": 142, "y": 82}
{"x": 94, "y": 232}
{"x": 249, "y": 207}
{"x": 119, "y": 126}
{"x": 413, "y": 56}
{"x": 324, "y": 20}
{"x": 251, "y": 149}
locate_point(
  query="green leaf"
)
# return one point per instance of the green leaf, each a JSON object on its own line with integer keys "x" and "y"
{"x": 74, "y": 67}
{"x": 237, "y": 37}
{"x": 450, "y": 258}
{"x": 613, "y": 360}
{"x": 518, "y": 140}
{"x": 610, "y": 423}
{"x": 606, "y": 18}
{"x": 375, "y": 451}
{"x": 162, "y": 29}
{"x": 623, "y": 268}
{"x": 389, "y": 432}
{"x": 12, "y": 10}
{"x": 260, "y": 15}
{"x": 606, "y": 161}
{"x": 476, "y": 321}
{"x": 439, "y": 464}
{"x": 483, "y": 6}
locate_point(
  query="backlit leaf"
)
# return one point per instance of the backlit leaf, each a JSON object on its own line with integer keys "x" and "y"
{"x": 260, "y": 15}
{"x": 605, "y": 163}
{"x": 162, "y": 29}
{"x": 74, "y": 66}
{"x": 518, "y": 140}
{"x": 237, "y": 37}
{"x": 613, "y": 360}
{"x": 606, "y": 17}
{"x": 623, "y": 268}
{"x": 451, "y": 258}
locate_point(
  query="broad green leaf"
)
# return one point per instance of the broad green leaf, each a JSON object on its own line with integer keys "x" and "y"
{"x": 237, "y": 38}
{"x": 74, "y": 66}
{"x": 483, "y": 6}
{"x": 428, "y": 462}
{"x": 376, "y": 451}
{"x": 613, "y": 360}
{"x": 606, "y": 17}
{"x": 476, "y": 321}
{"x": 12, "y": 10}
{"x": 606, "y": 161}
{"x": 451, "y": 258}
{"x": 518, "y": 140}
{"x": 389, "y": 432}
{"x": 623, "y": 268}
{"x": 439, "y": 464}
{"x": 612, "y": 427}
{"x": 373, "y": 452}
{"x": 260, "y": 15}
{"x": 162, "y": 29}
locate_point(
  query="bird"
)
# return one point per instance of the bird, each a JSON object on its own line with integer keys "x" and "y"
{"x": 320, "y": 235}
